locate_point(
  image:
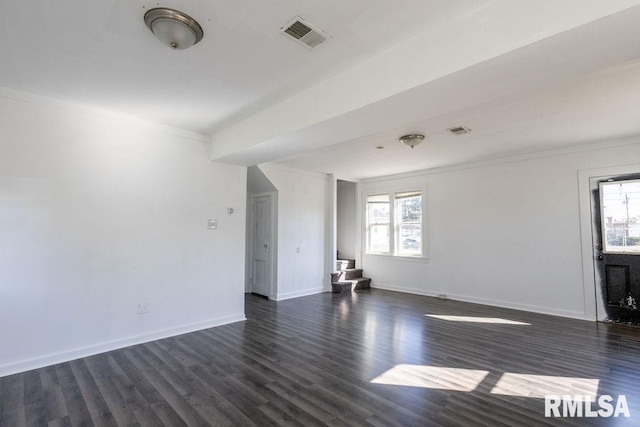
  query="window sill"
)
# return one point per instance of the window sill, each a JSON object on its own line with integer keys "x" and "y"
{"x": 390, "y": 257}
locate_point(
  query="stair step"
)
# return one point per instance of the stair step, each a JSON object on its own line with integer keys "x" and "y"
{"x": 348, "y": 274}
{"x": 351, "y": 285}
{"x": 344, "y": 264}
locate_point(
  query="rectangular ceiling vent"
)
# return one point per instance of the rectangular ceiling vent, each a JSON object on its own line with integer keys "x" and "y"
{"x": 459, "y": 130}
{"x": 305, "y": 33}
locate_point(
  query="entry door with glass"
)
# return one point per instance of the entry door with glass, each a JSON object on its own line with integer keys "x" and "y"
{"x": 618, "y": 262}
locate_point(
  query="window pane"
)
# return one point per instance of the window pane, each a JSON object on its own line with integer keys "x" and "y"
{"x": 378, "y": 214}
{"x": 378, "y": 223}
{"x": 621, "y": 216}
{"x": 411, "y": 209}
{"x": 409, "y": 223}
{"x": 378, "y": 209}
{"x": 410, "y": 239}
{"x": 379, "y": 238}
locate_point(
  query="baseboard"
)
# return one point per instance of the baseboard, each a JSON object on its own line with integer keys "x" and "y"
{"x": 297, "y": 294}
{"x": 78, "y": 353}
{"x": 485, "y": 301}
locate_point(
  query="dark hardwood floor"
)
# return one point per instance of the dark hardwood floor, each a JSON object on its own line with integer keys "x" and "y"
{"x": 368, "y": 358}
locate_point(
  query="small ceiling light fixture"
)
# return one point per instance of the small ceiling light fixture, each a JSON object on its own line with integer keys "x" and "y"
{"x": 411, "y": 140}
{"x": 173, "y": 28}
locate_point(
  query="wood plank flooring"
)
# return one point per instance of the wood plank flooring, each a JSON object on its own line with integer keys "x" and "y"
{"x": 367, "y": 358}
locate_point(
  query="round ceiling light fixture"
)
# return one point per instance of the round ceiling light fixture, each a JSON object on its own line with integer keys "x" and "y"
{"x": 173, "y": 28}
{"x": 411, "y": 140}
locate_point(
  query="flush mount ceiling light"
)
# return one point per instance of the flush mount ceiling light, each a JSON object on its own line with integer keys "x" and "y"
{"x": 411, "y": 140}
{"x": 173, "y": 28}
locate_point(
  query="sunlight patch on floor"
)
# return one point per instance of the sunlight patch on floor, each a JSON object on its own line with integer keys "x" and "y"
{"x": 441, "y": 378}
{"x": 538, "y": 386}
{"x": 470, "y": 319}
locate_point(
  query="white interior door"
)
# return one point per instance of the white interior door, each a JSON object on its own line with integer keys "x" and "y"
{"x": 261, "y": 249}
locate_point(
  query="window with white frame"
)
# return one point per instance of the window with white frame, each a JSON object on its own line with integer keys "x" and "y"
{"x": 408, "y": 220}
{"x": 378, "y": 224}
{"x": 394, "y": 224}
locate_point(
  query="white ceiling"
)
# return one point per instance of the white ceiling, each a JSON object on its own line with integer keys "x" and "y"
{"x": 602, "y": 106}
{"x": 523, "y": 76}
{"x": 100, "y": 53}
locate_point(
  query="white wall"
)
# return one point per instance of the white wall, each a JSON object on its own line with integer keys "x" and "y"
{"x": 257, "y": 182}
{"x": 100, "y": 213}
{"x": 505, "y": 233}
{"x": 346, "y": 219}
{"x": 302, "y": 223}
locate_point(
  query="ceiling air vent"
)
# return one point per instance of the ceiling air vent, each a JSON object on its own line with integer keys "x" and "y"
{"x": 459, "y": 130}
{"x": 305, "y": 33}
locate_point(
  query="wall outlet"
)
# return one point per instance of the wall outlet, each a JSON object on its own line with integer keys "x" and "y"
{"x": 212, "y": 224}
{"x": 144, "y": 308}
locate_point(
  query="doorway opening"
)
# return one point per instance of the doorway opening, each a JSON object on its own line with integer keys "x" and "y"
{"x": 347, "y": 220}
{"x": 262, "y": 235}
{"x": 261, "y": 244}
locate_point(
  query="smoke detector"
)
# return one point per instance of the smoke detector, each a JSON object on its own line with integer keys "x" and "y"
{"x": 305, "y": 33}
{"x": 459, "y": 130}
